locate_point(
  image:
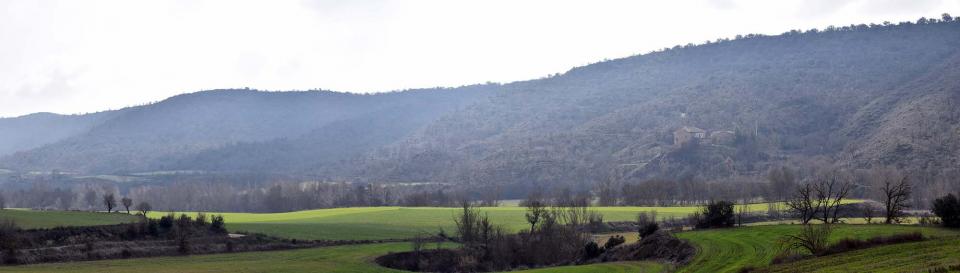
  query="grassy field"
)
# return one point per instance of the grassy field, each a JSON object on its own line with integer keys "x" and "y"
{"x": 357, "y": 258}
{"x": 910, "y": 257}
{"x": 374, "y": 223}
{"x": 48, "y": 219}
{"x": 728, "y": 250}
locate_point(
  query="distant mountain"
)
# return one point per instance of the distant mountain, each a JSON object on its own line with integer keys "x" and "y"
{"x": 860, "y": 96}
{"x": 225, "y": 129}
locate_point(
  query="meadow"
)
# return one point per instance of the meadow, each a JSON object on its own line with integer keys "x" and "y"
{"x": 376, "y": 223}
{"x": 48, "y": 219}
{"x": 909, "y": 257}
{"x": 728, "y": 250}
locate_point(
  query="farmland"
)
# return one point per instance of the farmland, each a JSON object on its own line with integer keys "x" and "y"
{"x": 374, "y": 223}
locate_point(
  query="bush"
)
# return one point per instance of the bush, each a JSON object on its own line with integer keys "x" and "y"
{"x": 648, "y": 229}
{"x": 812, "y": 239}
{"x": 217, "y": 224}
{"x": 614, "y": 242}
{"x": 717, "y": 214}
{"x": 948, "y": 209}
{"x": 591, "y": 250}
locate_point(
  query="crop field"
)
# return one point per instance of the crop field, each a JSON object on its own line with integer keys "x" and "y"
{"x": 356, "y": 258}
{"x": 49, "y": 219}
{"x": 728, "y": 250}
{"x": 909, "y": 257}
{"x": 374, "y": 223}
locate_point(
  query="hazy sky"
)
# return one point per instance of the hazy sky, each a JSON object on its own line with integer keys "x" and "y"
{"x": 84, "y": 56}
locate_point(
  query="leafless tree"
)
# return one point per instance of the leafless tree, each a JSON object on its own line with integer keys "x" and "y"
{"x": 3, "y": 202}
{"x": 895, "y": 193}
{"x": 830, "y": 188}
{"x": 109, "y": 201}
{"x": 144, "y": 208}
{"x": 91, "y": 198}
{"x": 127, "y": 202}
{"x": 802, "y": 203}
{"x": 869, "y": 212}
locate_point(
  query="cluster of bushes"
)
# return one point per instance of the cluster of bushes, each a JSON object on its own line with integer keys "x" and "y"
{"x": 948, "y": 209}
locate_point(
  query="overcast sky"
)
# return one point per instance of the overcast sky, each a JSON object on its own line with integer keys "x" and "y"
{"x": 86, "y": 56}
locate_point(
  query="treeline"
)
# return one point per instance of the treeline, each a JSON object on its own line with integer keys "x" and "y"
{"x": 231, "y": 196}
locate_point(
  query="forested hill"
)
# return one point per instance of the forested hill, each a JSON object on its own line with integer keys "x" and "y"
{"x": 859, "y": 96}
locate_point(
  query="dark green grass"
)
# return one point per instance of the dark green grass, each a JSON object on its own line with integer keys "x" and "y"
{"x": 356, "y": 258}
{"x": 728, "y": 250}
{"x": 908, "y": 257}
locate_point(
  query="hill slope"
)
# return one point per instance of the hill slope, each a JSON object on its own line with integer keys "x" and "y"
{"x": 862, "y": 96}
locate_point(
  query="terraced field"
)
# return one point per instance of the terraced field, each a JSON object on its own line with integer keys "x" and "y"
{"x": 48, "y": 219}
{"x": 728, "y": 250}
{"x": 342, "y": 259}
{"x": 910, "y": 257}
{"x": 373, "y": 223}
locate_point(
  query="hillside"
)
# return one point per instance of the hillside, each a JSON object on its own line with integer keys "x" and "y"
{"x": 861, "y": 96}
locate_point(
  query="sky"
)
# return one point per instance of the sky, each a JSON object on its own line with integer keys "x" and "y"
{"x": 73, "y": 57}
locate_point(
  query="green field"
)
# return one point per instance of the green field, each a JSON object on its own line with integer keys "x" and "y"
{"x": 910, "y": 257}
{"x": 728, "y": 250}
{"x": 374, "y": 223}
{"x": 49, "y": 219}
{"x": 356, "y": 258}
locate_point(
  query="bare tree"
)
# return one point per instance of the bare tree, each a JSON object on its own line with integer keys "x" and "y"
{"x": 895, "y": 192}
{"x": 91, "y": 199}
{"x": 802, "y": 203}
{"x": 782, "y": 181}
{"x": 869, "y": 212}
{"x": 830, "y": 188}
{"x": 3, "y": 201}
{"x": 109, "y": 201}
{"x": 127, "y": 202}
{"x": 144, "y": 208}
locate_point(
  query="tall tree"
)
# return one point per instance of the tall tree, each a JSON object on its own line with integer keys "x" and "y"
{"x": 895, "y": 192}
{"x": 127, "y": 202}
{"x": 91, "y": 199}
{"x": 802, "y": 203}
{"x": 144, "y": 208}
{"x": 109, "y": 201}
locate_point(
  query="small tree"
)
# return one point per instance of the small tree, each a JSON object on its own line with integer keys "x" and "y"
{"x": 812, "y": 238}
{"x": 109, "y": 201}
{"x": 127, "y": 202}
{"x": 144, "y": 208}
{"x": 535, "y": 212}
{"x": 948, "y": 209}
{"x": 869, "y": 212}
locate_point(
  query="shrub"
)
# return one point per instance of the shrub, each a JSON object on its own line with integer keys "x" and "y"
{"x": 591, "y": 250}
{"x": 717, "y": 214}
{"x": 812, "y": 239}
{"x": 648, "y": 229}
{"x": 217, "y": 224}
{"x": 948, "y": 209}
{"x": 614, "y": 242}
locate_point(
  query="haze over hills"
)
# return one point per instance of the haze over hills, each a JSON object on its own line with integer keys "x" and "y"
{"x": 860, "y": 96}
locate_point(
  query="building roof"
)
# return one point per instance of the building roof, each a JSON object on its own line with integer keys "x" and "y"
{"x": 691, "y": 129}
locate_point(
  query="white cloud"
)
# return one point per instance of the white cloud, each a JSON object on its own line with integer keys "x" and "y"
{"x": 83, "y": 56}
